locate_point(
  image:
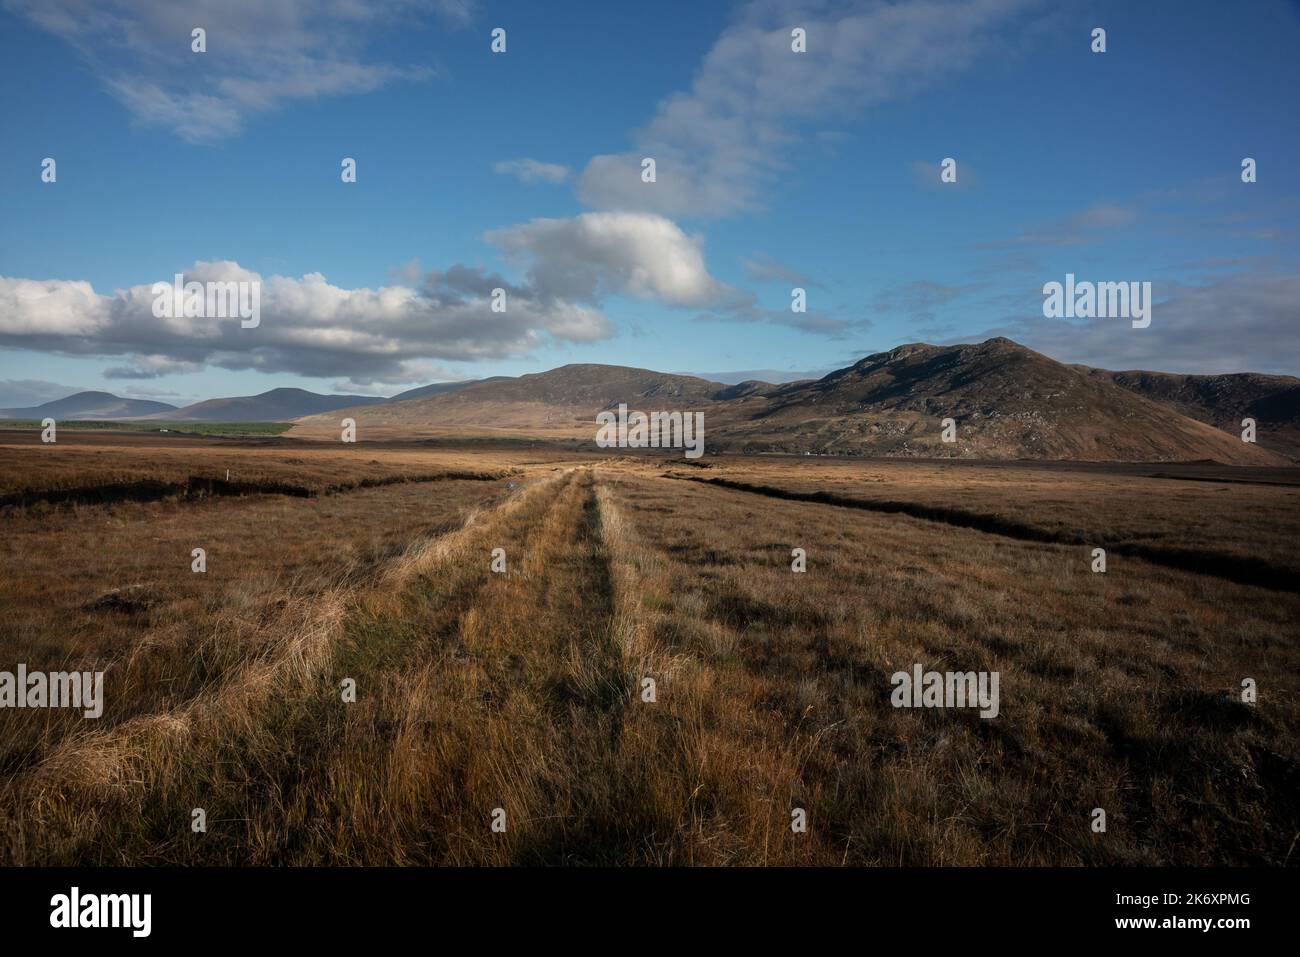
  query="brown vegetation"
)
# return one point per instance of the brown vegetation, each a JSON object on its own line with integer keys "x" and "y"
{"x": 524, "y": 690}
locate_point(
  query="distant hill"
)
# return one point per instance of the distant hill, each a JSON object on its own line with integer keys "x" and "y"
{"x": 278, "y": 405}
{"x": 1273, "y": 401}
{"x": 560, "y": 403}
{"x": 1008, "y": 402}
{"x": 90, "y": 405}
{"x": 590, "y": 386}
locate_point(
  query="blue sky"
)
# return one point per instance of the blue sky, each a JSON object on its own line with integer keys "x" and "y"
{"x": 774, "y": 169}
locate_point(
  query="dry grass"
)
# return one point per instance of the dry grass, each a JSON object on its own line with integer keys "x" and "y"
{"x": 1093, "y": 507}
{"x": 86, "y": 460}
{"x": 1118, "y": 691}
{"x": 111, "y": 587}
{"x": 96, "y": 794}
{"x": 523, "y": 691}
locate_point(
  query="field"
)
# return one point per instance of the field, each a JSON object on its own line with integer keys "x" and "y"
{"x": 177, "y": 428}
{"x": 519, "y": 697}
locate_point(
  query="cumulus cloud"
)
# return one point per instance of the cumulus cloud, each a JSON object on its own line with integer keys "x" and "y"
{"x": 387, "y": 335}
{"x": 598, "y": 254}
{"x": 261, "y": 54}
{"x": 752, "y": 98}
{"x": 532, "y": 171}
{"x": 308, "y": 325}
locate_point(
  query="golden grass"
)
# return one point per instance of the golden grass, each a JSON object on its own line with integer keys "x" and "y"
{"x": 523, "y": 691}
{"x": 132, "y": 768}
{"x": 89, "y": 459}
{"x": 1118, "y": 691}
{"x": 1098, "y": 508}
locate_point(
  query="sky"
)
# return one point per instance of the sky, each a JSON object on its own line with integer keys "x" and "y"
{"x": 522, "y": 171}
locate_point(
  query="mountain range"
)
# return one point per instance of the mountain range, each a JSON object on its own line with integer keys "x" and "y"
{"x": 1007, "y": 401}
{"x": 277, "y": 405}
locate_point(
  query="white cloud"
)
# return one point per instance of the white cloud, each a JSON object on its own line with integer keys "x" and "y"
{"x": 389, "y": 335}
{"x": 598, "y": 254}
{"x": 194, "y": 117}
{"x": 532, "y": 171}
{"x": 261, "y": 54}
{"x": 30, "y": 307}
{"x": 751, "y": 99}
{"x": 308, "y": 326}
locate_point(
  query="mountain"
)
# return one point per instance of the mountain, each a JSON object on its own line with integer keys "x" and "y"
{"x": 1273, "y": 401}
{"x": 586, "y": 386}
{"x": 1007, "y": 401}
{"x": 90, "y": 405}
{"x": 561, "y": 403}
{"x": 278, "y": 405}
